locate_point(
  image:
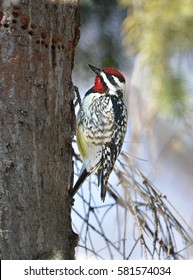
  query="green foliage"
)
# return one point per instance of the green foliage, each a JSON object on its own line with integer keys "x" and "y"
{"x": 172, "y": 95}
{"x": 161, "y": 31}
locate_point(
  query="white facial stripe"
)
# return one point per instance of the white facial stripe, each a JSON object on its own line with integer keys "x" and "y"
{"x": 109, "y": 85}
{"x": 119, "y": 86}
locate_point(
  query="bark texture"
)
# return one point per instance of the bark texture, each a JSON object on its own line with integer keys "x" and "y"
{"x": 37, "y": 42}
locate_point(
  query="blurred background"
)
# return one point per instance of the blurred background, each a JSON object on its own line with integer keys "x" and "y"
{"x": 151, "y": 43}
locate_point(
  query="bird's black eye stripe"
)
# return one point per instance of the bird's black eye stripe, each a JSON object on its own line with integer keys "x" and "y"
{"x": 111, "y": 79}
{"x": 102, "y": 81}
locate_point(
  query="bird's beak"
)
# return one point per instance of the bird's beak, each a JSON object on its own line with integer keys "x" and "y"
{"x": 96, "y": 70}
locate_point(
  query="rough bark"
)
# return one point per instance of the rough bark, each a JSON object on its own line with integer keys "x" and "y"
{"x": 37, "y": 42}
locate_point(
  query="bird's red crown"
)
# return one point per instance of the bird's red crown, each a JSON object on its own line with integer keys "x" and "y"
{"x": 100, "y": 86}
{"x": 114, "y": 72}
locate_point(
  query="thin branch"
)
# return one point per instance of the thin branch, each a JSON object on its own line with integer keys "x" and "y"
{"x": 156, "y": 219}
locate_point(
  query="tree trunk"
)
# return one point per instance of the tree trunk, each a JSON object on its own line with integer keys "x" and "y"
{"x": 37, "y": 41}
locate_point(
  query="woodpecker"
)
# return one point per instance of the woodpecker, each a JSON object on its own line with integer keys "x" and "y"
{"x": 101, "y": 127}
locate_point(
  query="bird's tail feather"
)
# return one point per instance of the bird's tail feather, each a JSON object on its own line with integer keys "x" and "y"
{"x": 102, "y": 184}
{"x": 79, "y": 183}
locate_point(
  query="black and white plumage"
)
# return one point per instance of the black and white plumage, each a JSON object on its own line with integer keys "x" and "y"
{"x": 101, "y": 127}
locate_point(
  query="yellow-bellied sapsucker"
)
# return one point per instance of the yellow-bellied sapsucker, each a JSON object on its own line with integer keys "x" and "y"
{"x": 101, "y": 127}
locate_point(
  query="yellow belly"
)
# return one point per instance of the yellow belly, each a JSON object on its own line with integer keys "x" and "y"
{"x": 82, "y": 142}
